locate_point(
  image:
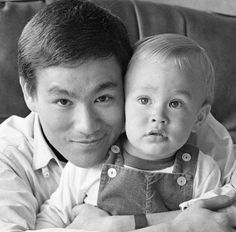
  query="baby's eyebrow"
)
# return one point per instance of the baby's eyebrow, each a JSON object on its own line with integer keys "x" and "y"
{"x": 178, "y": 91}
{"x": 185, "y": 93}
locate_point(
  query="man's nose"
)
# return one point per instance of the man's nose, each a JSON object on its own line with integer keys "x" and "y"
{"x": 86, "y": 120}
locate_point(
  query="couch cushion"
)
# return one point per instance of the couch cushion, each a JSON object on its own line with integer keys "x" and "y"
{"x": 215, "y": 32}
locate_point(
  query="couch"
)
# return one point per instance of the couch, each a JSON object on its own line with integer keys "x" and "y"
{"x": 215, "y": 32}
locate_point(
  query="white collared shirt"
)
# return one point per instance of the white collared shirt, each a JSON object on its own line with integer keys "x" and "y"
{"x": 29, "y": 173}
{"x": 214, "y": 140}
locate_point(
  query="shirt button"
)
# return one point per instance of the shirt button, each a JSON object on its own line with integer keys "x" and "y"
{"x": 115, "y": 149}
{"x": 186, "y": 157}
{"x": 112, "y": 172}
{"x": 181, "y": 181}
{"x": 46, "y": 175}
{"x": 45, "y": 172}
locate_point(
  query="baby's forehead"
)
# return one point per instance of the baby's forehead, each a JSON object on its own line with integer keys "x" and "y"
{"x": 186, "y": 63}
{"x": 150, "y": 73}
{"x": 188, "y": 59}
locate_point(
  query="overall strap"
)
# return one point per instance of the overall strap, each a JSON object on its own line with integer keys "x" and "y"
{"x": 115, "y": 153}
{"x": 186, "y": 160}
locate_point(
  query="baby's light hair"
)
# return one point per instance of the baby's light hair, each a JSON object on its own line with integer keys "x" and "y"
{"x": 185, "y": 53}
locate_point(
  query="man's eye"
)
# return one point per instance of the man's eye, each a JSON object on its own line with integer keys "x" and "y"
{"x": 63, "y": 102}
{"x": 175, "y": 104}
{"x": 101, "y": 99}
{"x": 144, "y": 100}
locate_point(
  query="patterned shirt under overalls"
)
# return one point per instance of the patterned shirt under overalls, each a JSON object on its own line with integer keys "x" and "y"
{"x": 128, "y": 191}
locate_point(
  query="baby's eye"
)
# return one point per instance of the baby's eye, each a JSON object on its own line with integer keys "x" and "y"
{"x": 64, "y": 102}
{"x": 102, "y": 99}
{"x": 144, "y": 100}
{"x": 176, "y": 104}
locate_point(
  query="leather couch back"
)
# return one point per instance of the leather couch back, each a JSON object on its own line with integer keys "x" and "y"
{"x": 215, "y": 32}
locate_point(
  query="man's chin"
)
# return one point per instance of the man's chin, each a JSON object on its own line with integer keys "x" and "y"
{"x": 87, "y": 159}
{"x": 86, "y": 163}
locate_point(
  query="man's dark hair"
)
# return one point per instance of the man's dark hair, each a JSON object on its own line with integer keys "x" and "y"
{"x": 68, "y": 32}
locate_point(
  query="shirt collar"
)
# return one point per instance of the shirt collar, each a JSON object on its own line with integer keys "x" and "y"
{"x": 42, "y": 152}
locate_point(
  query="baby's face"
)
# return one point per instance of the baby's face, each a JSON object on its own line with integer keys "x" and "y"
{"x": 162, "y": 107}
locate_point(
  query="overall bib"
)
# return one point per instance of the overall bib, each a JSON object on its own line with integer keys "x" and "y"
{"x": 128, "y": 191}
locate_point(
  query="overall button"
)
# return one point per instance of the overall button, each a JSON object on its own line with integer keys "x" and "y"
{"x": 115, "y": 149}
{"x": 186, "y": 157}
{"x": 181, "y": 181}
{"x": 111, "y": 172}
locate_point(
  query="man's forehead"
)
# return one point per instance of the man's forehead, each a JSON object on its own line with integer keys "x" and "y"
{"x": 94, "y": 75}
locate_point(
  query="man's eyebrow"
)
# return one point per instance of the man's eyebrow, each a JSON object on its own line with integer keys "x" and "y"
{"x": 106, "y": 85}
{"x": 59, "y": 91}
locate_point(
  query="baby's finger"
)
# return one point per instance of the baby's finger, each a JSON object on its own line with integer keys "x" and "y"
{"x": 215, "y": 203}
{"x": 75, "y": 211}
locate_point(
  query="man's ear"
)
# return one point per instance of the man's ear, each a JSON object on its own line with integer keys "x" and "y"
{"x": 201, "y": 117}
{"x": 29, "y": 99}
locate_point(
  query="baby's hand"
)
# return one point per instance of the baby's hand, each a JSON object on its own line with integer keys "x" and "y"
{"x": 211, "y": 201}
{"x": 215, "y": 203}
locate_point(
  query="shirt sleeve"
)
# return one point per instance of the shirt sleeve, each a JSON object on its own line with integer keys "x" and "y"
{"x": 18, "y": 205}
{"x": 207, "y": 180}
{"x": 57, "y": 211}
{"x": 214, "y": 140}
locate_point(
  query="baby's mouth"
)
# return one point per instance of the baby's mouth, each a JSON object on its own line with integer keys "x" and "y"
{"x": 157, "y": 132}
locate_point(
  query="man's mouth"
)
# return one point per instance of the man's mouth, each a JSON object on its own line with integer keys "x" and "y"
{"x": 89, "y": 141}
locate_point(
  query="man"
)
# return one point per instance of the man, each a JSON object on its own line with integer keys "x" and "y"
{"x": 72, "y": 56}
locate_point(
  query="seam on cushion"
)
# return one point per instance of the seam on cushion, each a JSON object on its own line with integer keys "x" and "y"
{"x": 138, "y": 22}
{"x": 23, "y": 1}
{"x": 185, "y": 31}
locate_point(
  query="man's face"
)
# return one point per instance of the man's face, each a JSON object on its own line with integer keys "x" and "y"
{"x": 81, "y": 108}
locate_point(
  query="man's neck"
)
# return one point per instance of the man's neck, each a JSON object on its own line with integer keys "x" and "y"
{"x": 55, "y": 151}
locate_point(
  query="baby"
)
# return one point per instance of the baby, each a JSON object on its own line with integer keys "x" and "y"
{"x": 169, "y": 88}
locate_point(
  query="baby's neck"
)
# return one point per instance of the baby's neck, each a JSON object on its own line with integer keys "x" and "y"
{"x": 135, "y": 162}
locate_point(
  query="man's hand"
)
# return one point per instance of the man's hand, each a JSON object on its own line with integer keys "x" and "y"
{"x": 88, "y": 217}
{"x": 214, "y": 214}
{"x": 208, "y": 215}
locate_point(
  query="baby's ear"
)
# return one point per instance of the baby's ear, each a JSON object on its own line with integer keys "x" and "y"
{"x": 201, "y": 117}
